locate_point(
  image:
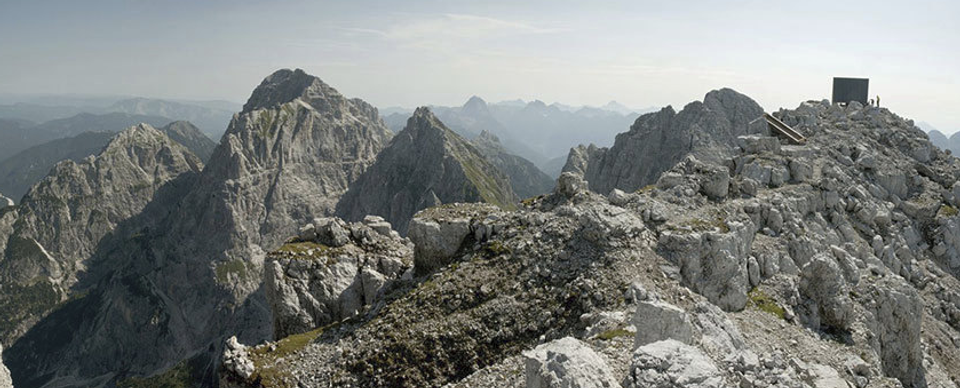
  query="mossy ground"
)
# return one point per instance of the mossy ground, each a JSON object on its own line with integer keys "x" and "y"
{"x": 267, "y": 371}
{"x": 765, "y": 303}
{"x": 615, "y": 333}
{"x": 948, "y": 211}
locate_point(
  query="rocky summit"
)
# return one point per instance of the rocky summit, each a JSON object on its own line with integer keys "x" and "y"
{"x": 425, "y": 165}
{"x": 658, "y": 141}
{"x": 167, "y": 285}
{"x": 828, "y": 264}
{"x": 50, "y": 237}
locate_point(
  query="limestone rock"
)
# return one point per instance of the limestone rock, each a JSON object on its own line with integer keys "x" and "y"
{"x": 658, "y": 141}
{"x": 319, "y": 280}
{"x": 437, "y": 238}
{"x": 425, "y": 165}
{"x": 658, "y": 321}
{"x": 5, "y": 380}
{"x": 672, "y": 364}
{"x": 827, "y": 301}
{"x": 567, "y": 363}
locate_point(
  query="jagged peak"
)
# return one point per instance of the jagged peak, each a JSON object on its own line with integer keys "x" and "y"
{"x": 287, "y": 85}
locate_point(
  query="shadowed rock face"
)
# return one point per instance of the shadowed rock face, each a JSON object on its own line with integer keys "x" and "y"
{"x": 425, "y": 165}
{"x": 171, "y": 282}
{"x": 658, "y": 141}
{"x": 50, "y": 236}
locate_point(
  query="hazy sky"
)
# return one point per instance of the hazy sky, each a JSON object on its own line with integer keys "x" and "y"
{"x": 410, "y": 53}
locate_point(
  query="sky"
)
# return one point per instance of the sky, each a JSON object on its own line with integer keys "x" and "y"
{"x": 431, "y": 52}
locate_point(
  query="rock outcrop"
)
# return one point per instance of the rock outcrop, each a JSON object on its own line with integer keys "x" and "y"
{"x": 331, "y": 271}
{"x": 657, "y": 141}
{"x": 829, "y": 264}
{"x": 567, "y": 362}
{"x": 5, "y": 380}
{"x": 425, "y": 165}
{"x": 525, "y": 178}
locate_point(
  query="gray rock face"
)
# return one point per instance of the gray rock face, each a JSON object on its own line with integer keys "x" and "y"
{"x": 5, "y": 380}
{"x": 827, "y": 302}
{"x": 567, "y": 363}
{"x": 425, "y": 165}
{"x": 658, "y": 321}
{"x": 332, "y": 271}
{"x": 672, "y": 364}
{"x": 658, "y": 141}
{"x": 189, "y": 269}
{"x": 525, "y": 178}
{"x": 438, "y": 236}
{"x": 49, "y": 238}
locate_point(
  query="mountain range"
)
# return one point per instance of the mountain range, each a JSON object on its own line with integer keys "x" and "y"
{"x": 315, "y": 246}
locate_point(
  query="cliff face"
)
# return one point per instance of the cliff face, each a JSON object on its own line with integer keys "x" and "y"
{"x": 170, "y": 282}
{"x": 425, "y": 165}
{"x": 50, "y": 236}
{"x": 831, "y": 264}
{"x": 658, "y": 141}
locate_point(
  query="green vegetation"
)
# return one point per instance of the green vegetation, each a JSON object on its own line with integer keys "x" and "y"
{"x": 181, "y": 375}
{"x": 265, "y": 120}
{"x": 615, "y": 333}
{"x": 299, "y": 249}
{"x": 266, "y": 369}
{"x": 765, "y": 303}
{"x": 494, "y": 249}
{"x": 224, "y": 269}
{"x": 530, "y": 201}
{"x": 21, "y": 302}
{"x": 948, "y": 211}
{"x": 487, "y": 187}
{"x": 646, "y": 189}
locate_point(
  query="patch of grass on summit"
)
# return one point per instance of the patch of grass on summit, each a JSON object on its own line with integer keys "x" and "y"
{"x": 765, "y": 303}
{"x": 948, "y": 211}
{"x": 615, "y": 333}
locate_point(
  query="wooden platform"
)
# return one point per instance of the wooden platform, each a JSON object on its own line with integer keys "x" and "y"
{"x": 782, "y": 129}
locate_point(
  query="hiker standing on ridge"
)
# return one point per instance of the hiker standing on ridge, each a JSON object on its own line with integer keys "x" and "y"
{"x": 878, "y": 101}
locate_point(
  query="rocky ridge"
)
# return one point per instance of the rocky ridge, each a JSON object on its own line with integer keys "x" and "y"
{"x": 831, "y": 264}
{"x": 49, "y": 238}
{"x": 658, "y": 141}
{"x": 425, "y": 165}
{"x": 187, "y": 270}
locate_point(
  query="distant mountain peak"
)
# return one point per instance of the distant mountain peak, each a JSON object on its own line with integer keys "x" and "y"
{"x": 475, "y": 105}
{"x": 286, "y": 85}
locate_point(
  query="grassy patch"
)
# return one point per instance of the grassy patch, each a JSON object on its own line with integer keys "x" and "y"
{"x": 615, "y": 333}
{"x": 765, "y": 303}
{"x": 300, "y": 250}
{"x": 180, "y": 376}
{"x": 266, "y": 370}
{"x": 948, "y": 211}
{"x": 494, "y": 249}
{"x": 646, "y": 189}
{"x": 530, "y": 201}
{"x": 21, "y": 302}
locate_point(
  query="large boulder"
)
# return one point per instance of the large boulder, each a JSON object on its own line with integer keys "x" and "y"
{"x": 826, "y": 296}
{"x": 567, "y": 363}
{"x": 657, "y": 321}
{"x": 672, "y": 364}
